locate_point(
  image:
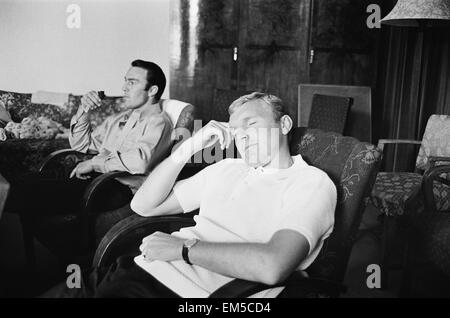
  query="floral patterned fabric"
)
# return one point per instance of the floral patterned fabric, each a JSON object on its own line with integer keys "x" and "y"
{"x": 22, "y": 156}
{"x": 19, "y": 106}
{"x": 352, "y": 165}
{"x": 392, "y": 191}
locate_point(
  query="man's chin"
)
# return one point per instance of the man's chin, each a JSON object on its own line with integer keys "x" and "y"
{"x": 127, "y": 105}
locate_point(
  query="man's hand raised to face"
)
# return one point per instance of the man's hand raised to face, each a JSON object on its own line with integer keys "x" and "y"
{"x": 214, "y": 131}
{"x": 90, "y": 101}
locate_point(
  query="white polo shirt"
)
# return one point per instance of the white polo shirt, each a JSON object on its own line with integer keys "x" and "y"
{"x": 239, "y": 203}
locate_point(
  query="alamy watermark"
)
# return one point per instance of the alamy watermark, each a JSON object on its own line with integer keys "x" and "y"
{"x": 74, "y": 279}
{"x": 73, "y": 20}
{"x": 373, "y": 20}
{"x": 374, "y": 279}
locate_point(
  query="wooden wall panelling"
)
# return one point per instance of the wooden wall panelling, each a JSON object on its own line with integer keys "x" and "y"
{"x": 203, "y": 34}
{"x": 345, "y": 49}
{"x": 271, "y": 37}
{"x": 273, "y": 55}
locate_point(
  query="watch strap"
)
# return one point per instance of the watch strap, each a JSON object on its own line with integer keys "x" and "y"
{"x": 185, "y": 254}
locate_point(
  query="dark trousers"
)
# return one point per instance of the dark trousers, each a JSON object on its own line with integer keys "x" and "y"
{"x": 49, "y": 210}
{"x": 44, "y": 195}
{"x": 123, "y": 279}
{"x": 40, "y": 194}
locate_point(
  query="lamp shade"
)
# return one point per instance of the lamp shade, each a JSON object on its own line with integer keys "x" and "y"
{"x": 415, "y": 13}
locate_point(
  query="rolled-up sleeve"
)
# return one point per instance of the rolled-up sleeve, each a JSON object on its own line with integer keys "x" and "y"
{"x": 152, "y": 146}
{"x": 189, "y": 192}
{"x": 81, "y": 136}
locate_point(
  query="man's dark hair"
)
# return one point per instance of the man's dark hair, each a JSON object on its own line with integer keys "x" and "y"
{"x": 155, "y": 76}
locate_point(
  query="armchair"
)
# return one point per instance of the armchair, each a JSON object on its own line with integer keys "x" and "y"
{"x": 83, "y": 231}
{"x": 352, "y": 165}
{"x": 398, "y": 194}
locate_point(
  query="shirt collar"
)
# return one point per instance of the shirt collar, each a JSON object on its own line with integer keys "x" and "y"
{"x": 297, "y": 162}
{"x": 147, "y": 109}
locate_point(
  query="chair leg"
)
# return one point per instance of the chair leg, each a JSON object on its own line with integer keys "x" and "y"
{"x": 409, "y": 260}
{"x": 28, "y": 240}
{"x": 388, "y": 223}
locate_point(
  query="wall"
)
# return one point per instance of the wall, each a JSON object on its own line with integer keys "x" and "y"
{"x": 39, "y": 52}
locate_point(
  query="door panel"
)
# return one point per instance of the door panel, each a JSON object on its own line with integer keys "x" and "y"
{"x": 273, "y": 39}
{"x": 269, "y": 36}
{"x": 345, "y": 49}
{"x": 274, "y": 55}
{"x": 203, "y": 33}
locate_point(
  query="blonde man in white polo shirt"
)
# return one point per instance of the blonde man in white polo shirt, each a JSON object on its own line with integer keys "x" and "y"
{"x": 261, "y": 217}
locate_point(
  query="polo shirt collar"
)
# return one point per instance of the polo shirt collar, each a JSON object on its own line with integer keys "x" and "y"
{"x": 297, "y": 162}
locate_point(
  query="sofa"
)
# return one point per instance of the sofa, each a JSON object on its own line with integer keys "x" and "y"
{"x": 19, "y": 157}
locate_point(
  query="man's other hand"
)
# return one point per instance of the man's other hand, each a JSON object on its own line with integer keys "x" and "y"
{"x": 161, "y": 246}
{"x": 90, "y": 101}
{"x": 82, "y": 170}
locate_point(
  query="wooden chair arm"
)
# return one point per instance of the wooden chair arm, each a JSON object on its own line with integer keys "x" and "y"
{"x": 383, "y": 142}
{"x": 130, "y": 231}
{"x": 434, "y": 159}
{"x": 56, "y": 155}
{"x": 96, "y": 185}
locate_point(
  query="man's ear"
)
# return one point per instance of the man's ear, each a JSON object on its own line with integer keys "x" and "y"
{"x": 286, "y": 124}
{"x": 152, "y": 91}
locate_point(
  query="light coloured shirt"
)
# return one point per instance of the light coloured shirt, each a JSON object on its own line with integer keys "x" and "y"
{"x": 239, "y": 203}
{"x": 133, "y": 141}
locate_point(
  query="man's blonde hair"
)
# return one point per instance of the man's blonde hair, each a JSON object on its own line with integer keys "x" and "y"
{"x": 273, "y": 101}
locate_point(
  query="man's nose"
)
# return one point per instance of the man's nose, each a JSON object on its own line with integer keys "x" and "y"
{"x": 125, "y": 87}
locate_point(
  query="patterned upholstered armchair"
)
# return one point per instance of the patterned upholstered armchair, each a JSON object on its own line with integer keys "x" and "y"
{"x": 352, "y": 165}
{"x": 399, "y": 193}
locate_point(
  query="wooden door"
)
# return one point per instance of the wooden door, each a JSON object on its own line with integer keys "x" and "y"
{"x": 343, "y": 49}
{"x": 273, "y": 57}
{"x": 203, "y": 35}
{"x": 238, "y": 44}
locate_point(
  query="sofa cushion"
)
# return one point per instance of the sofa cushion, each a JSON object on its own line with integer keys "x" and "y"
{"x": 19, "y": 106}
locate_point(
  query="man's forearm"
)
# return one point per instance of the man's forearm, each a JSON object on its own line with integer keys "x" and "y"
{"x": 161, "y": 180}
{"x": 249, "y": 261}
{"x": 268, "y": 263}
{"x": 80, "y": 131}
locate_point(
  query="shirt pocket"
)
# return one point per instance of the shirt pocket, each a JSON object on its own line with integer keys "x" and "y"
{"x": 131, "y": 139}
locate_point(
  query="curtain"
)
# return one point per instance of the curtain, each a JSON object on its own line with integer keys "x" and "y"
{"x": 413, "y": 83}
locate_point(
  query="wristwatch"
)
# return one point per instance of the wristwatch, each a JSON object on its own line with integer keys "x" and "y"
{"x": 187, "y": 245}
